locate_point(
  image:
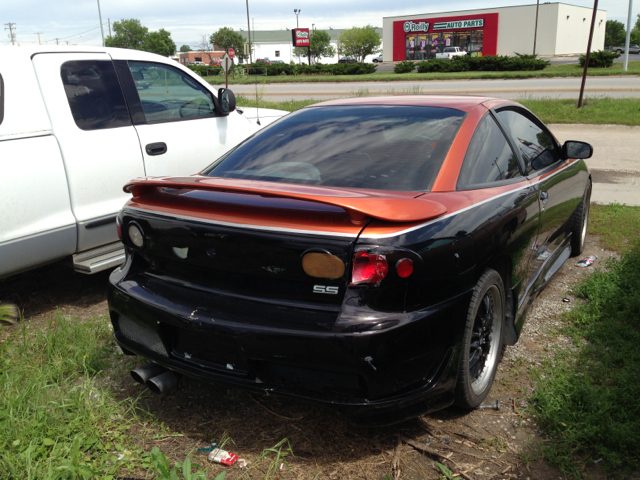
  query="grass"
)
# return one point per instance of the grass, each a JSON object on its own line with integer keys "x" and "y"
{"x": 587, "y": 396}
{"x": 56, "y": 421}
{"x": 617, "y": 225}
{"x": 599, "y": 111}
{"x": 572, "y": 70}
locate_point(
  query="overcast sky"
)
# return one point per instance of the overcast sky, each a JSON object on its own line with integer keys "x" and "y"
{"x": 77, "y": 21}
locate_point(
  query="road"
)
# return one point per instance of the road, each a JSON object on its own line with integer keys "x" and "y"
{"x": 514, "y": 89}
{"x": 615, "y": 165}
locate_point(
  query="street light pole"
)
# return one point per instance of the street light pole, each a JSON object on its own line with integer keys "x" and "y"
{"x": 627, "y": 38}
{"x": 297, "y": 12}
{"x": 535, "y": 32}
{"x": 249, "y": 32}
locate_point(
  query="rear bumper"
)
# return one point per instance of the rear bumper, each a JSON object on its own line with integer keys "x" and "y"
{"x": 399, "y": 372}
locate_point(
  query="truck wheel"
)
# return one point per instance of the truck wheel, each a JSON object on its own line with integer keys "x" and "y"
{"x": 580, "y": 222}
{"x": 482, "y": 341}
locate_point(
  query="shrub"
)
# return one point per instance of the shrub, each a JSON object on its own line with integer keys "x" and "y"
{"x": 599, "y": 59}
{"x": 404, "y": 67}
{"x": 205, "y": 70}
{"x": 316, "y": 69}
{"x": 490, "y": 63}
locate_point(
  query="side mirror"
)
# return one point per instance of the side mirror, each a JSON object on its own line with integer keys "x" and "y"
{"x": 574, "y": 149}
{"x": 226, "y": 101}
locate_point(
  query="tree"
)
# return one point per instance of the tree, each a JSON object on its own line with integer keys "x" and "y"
{"x": 319, "y": 46}
{"x": 204, "y": 46}
{"x": 127, "y": 34}
{"x": 614, "y": 34}
{"x": 359, "y": 42}
{"x": 635, "y": 33}
{"x": 227, "y": 38}
{"x": 185, "y": 48}
{"x": 159, "y": 42}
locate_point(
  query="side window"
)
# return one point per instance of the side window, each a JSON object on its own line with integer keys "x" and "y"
{"x": 536, "y": 145}
{"x": 1, "y": 99}
{"x": 489, "y": 157}
{"x": 94, "y": 94}
{"x": 168, "y": 94}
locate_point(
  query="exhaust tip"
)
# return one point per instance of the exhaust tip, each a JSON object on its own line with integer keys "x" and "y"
{"x": 143, "y": 374}
{"x": 163, "y": 383}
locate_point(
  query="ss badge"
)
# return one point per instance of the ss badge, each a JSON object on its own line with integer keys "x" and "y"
{"x": 323, "y": 289}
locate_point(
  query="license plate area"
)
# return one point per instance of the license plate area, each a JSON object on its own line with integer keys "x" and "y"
{"x": 209, "y": 350}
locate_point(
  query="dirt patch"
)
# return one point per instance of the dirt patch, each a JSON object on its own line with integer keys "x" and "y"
{"x": 482, "y": 444}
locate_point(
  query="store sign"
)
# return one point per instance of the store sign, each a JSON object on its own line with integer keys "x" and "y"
{"x": 300, "y": 37}
{"x": 458, "y": 24}
{"x": 416, "y": 27}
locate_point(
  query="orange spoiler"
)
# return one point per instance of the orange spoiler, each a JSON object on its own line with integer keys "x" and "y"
{"x": 359, "y": 204}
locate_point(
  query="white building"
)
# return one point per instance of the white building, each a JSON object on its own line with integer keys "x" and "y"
{"x": 277, "y": 45}
{"x": 562, "y": 29}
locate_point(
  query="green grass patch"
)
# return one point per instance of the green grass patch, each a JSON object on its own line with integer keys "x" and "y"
{"x": 56, "y": 418}
{"x": 587, "y": 396}
{"x": 618, "y": 225}
{"x": 572, "y": 70}
{"x": 600, "y": 111}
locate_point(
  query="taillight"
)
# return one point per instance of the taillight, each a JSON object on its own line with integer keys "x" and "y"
{"x": 119, "y": 228}
{"x": 404, "y": 267}
{"x": 368, "y": 268}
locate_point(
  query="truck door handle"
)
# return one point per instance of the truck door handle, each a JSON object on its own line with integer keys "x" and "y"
{"x": 544, "y": 196}
{"x": 156, "y": 148}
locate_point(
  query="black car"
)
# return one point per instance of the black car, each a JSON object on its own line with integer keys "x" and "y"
{"x": 374, "y": 254}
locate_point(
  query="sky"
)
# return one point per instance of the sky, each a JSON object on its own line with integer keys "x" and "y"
{"x": 77, "y": 21}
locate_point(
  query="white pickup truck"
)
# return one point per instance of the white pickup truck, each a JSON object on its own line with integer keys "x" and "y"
{"x": 449, "y": 53}
{"x": 76, "y": 124}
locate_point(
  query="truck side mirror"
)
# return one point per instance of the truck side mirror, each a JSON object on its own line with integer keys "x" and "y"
{"x": 226, "y": 101}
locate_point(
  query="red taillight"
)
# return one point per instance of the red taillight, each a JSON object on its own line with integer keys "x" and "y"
{"x": 119, "y": 227}
{"x": 404, "y": 267}
{"x": 368, "y": 268}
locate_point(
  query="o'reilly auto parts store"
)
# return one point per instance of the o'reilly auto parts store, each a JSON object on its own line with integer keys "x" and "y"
{"x": 562, "y": 29}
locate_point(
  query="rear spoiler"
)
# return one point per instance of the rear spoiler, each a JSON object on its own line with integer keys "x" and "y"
{"x": 388, "y": 206}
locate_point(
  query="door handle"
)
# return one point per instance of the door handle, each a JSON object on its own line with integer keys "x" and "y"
{"x": 544, "y": 196}
{"x": 156, "y": 148}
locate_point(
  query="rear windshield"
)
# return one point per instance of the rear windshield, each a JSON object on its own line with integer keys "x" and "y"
{"x": 373, "y": 147}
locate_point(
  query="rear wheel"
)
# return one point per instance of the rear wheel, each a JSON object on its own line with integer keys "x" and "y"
{"x": 619, "y": 51}
{"x": 482, "y": 341}
{"x": 580, "y": 223}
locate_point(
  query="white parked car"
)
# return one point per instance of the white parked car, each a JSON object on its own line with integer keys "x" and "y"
{"x": 77, "y": 124}
{"x": 377, "y": 59}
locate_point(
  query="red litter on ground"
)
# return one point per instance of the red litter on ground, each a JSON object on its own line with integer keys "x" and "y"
{"x": 587, "y": 261}
{"x": 222, "y": 457}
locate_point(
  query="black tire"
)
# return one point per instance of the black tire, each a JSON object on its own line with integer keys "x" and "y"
{"x": 482, "y": 342}
{"x": 580, "y": 223}
{"x": 619, "y": 51}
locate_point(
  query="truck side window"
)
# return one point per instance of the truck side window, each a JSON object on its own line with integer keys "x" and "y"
{"x": 1, "y": 99}
{"x": 94, "y": 94}
{"x": 489, "y": 158}
{"x": 167, "y": 94}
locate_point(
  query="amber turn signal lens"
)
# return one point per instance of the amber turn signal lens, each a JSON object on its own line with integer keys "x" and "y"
{"x": 322, "y": 265}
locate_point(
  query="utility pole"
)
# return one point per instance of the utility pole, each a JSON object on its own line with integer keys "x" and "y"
{"x": 38, "y": 33}
{"x": 535, "y": 32}
{"x": 57, "y": 43}
{"x": 101, "y": 27}
{"x": 109, "y": 21}
{"x": 12, "y": 36}
{"x": 586, "y": 60}
{"x": 627, "y": 38}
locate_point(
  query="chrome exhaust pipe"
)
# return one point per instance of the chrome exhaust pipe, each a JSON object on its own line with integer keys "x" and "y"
{"x": 163, "y": 383}
{"x": 147, "y": 372}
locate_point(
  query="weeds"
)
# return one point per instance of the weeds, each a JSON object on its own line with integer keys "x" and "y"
{"x": 56, "y": 421}
{"x": 8, "y": 313}
{"x": 587, "y": 398}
